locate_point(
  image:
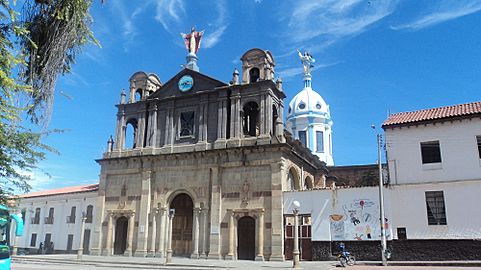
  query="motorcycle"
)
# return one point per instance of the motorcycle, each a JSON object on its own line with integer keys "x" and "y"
{"x": 346, "y": 258}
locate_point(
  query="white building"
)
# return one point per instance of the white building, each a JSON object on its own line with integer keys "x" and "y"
{"x": 309, "y": 118}
{"x": 434, "y": 160}
{"x": 56, "y": 216}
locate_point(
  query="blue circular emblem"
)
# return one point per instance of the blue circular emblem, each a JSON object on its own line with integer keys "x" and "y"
{"x": 186, "y": 83}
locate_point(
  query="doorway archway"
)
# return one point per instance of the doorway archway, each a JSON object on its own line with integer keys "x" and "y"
{"x": 120, "y": 244}
{"x": 182, "y": 225}
{"x": 246, "y": 237}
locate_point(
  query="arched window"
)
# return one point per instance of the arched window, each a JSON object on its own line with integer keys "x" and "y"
{"x": 293, "y": 180}
{"x": 254, "y": 75}
{"x": 130, "y": 134}
{"x": 275, "y": 116}
{"x": 138, "y": 95}
{"x": 89, "y": 214}
{"x": 308, "y": 183}
{"x": 251, "y": 119}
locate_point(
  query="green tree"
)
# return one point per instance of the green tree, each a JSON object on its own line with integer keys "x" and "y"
{"x": 37, "y": 44}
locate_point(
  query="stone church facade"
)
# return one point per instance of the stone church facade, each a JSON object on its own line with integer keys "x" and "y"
{"x": 204, "y": 172}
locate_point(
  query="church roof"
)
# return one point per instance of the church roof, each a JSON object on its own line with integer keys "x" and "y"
{"x": 434, "y": 114}
{"x": 64, "y": 190}
{"x": 201, "y": 82}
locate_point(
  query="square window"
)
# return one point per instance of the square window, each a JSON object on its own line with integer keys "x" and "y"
{"x": 436, "y": 210}
{"x": 186, "y": 124}
{"x": 430, "y": 152}
{"x": 478, "y": 141}
{"x": 303, "y": 137}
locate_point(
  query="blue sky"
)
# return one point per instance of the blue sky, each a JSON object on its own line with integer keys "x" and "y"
{"x": 372, "y": 57}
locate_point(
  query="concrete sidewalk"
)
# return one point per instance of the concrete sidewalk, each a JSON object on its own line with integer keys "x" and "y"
{"x": 157, "y": 263}
{"x": 202, "y": 264}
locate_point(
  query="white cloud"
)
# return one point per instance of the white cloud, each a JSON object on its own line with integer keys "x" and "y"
{"x": 128, "y": 29}
{"x": 171, "y": 15}
{"x": 291, "y": 72}
{"x": 220, "y": 25}
{"x": 169, "y": 12}
{"x": 443, "y": 11}
{"x": 317, "y": 23}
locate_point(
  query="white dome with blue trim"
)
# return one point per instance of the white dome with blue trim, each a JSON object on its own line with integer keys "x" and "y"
{"x": 308, "y": 117}
{"x": 308, "y": 101}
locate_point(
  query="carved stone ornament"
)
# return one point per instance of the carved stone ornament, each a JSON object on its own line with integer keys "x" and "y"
{"x": 245, "y": 194}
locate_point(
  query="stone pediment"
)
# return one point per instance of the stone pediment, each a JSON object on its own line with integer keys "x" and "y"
{"x": 199, "y": 83}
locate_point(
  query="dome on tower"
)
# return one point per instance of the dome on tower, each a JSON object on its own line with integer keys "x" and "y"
{"x": 308, "y": 117}
{"x": 308, "y": 101}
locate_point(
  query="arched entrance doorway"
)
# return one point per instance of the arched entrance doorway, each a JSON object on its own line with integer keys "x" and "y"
{"x": 182, "y": 225}
{"x": 246, "y": 237}
{"x": 120, "y": 243}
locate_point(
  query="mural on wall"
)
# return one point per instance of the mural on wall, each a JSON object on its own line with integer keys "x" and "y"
{"x": 359, "y": 220}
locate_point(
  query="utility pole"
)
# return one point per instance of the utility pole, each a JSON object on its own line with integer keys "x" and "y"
{"x": 381, "y": 201}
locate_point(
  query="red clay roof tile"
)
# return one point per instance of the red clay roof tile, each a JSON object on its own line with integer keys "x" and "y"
{"x": 64, "y": 190}
{"x": 433, "y": 114}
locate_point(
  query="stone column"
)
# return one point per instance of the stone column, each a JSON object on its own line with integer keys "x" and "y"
{"x": 119, "y": 133}
{"x": 140, "y": 133}
{"x": 195, "y": 253}
{"x": 215, "y": 245}
{"x": 161, "y": 250}
{"x": 143, "y": 229}
{"x": 98, "y": 222}
{"x": 130, "y": 235}
{"x": 80, "y": 250}
{"x": 278, "y": 176}
{"x": 109, "y": 234}
{"x": 168, "y": 258}
{"x": 154, "y": 232}
{"x": 230, "y": 255}
{"x": 167, "y": 127}
{"x": 260, "y": 236}
{"x": 203, "y": 232}
{"x": 153, "y": 119}
{"x": 262, "y": 116}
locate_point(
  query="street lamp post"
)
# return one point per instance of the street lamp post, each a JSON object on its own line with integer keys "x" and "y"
{"x": 80, "y": 250}
{"x": 168, "y": 258}
{"x": 381, "y": 201}
{"x": 295, "y": 261}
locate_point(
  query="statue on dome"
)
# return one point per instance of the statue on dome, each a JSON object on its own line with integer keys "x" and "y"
{"x": 307, "y": 61}
{"x": 192, "y": 40}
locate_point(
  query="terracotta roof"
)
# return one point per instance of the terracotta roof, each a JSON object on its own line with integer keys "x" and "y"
{"x": 429, "y": 115}
{"x": 64, "y": 190}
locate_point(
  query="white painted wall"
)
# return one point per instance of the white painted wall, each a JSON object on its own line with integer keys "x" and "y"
{"x": 343, "y": 203}
{"x": 405, "y": 206}
{"x": 60, "y": 229}
{"x": 461, "y": 200}
{"x": 459, "y": 152}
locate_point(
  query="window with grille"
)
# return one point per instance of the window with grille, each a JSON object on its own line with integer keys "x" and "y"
{"x": 430, "y": 152}
{"x": 186, "y": 124}
{"x": 436, "y": 210}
